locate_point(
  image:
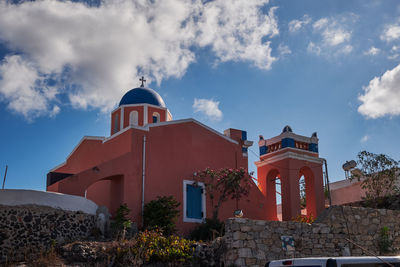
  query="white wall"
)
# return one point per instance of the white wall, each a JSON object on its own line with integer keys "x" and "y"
{"x": 14, "y": 197}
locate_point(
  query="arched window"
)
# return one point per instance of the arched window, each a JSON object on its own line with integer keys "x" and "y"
{"x": 134, "y": 118}
{"x": 156, "y": 117}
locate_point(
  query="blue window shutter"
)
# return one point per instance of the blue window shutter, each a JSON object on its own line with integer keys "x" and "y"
{"x": 193, "y": 202}
{"x": 244, "y": 135}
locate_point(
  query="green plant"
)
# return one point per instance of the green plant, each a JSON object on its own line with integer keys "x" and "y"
{"x": 378, "y": 174}
{"x": 121, "y": 222}
{"x": 384, "y": 241}
{"x": 224, "y": 184}
{"x": 208, "y": 230}
{"x": 161, "y": 213}
{"x": 152, "y": 246}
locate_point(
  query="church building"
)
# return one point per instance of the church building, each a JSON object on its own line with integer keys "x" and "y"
{"x": 148, "y": 154}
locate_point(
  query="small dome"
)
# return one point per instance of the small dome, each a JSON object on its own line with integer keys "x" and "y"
{"x": 287, "y": 129}
{"x": 142, "y": 95}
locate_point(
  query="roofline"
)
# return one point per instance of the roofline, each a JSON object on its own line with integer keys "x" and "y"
{"x": 86, "y": 137}
{"x": 164, "y": 123}
{"x": 143, "y": 128}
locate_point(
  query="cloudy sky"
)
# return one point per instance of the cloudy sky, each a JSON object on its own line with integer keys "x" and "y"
{"x": 257, "y": 65}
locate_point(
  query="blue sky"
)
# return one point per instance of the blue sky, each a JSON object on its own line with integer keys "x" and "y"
{"x": 326, "y": 66}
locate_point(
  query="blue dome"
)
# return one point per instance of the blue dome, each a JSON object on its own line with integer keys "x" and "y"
{"x": 142, "y": 95}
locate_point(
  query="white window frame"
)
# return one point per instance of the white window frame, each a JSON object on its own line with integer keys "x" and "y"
{"x": 203, "y": 202}
{"x": 131, "y": 119}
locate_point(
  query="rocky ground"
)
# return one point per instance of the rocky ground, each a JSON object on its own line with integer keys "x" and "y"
{"x": 115, "y": 253}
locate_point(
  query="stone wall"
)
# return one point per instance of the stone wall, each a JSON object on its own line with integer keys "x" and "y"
{"x": 253, "y": 243}
{"x": 28, "y": 229}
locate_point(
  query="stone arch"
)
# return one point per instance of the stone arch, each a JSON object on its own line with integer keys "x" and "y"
{"x": 311, "y": 206}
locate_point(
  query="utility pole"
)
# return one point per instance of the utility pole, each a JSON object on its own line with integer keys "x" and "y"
{"x": 5, "y": 175}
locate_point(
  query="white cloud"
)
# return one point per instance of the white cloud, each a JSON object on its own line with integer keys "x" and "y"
{"x": 284, "y": 50}
{"x": 373, "y": 51}
{"x": 97, "y": 53}
{"x": 208, "y": 107}
{"x": 382, "y": 95}
{"x": 364, "y": 139}
{"x": 332, "y": 33}
{"x": 25, "y": 89}
{"x": 313, "y": 48}
{"x": 394, "y": 52}
{"x": 296, "y": 25}
{"x": 390, "y": 33}
{"x": 321, "y": 23}
{"x": 234, "y": 30}
{"x": 334, "y": 37}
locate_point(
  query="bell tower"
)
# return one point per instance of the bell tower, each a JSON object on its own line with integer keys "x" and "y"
{"x": 284, "y": 159}
{"x": 138, "y": 107}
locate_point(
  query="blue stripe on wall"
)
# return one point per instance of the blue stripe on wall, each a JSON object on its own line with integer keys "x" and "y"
{"x": 263, "y": 150}
{"x": 287, "y": 142}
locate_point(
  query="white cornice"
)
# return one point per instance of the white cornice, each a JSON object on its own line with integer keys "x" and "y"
{"x": 288, "y": 154}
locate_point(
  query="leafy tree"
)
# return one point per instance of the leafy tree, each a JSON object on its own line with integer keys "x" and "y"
{"x": 378, "y": 174}
{"x": 223, "y": 184}
{"x": 161, "y": 213}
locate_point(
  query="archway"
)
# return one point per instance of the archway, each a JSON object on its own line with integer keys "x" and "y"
{"x": 309, "y": 191}
{"x": 274, "y": 195}
{"x": 107, "y": 192}
{"x": 303, "y": 197}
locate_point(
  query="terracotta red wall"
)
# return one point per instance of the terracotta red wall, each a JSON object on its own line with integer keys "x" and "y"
{"x": 113, "y": 118}
{"x": 173, "y": 153}
{"x": 93, "y": 152}
{"x": 289, "y": 171}
{"x": 153, "y": 109}
{"x": 176, "y": 151}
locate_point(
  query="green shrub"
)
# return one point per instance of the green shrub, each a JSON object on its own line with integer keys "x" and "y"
{"x": 208, "y": 230}
{"x": 161, "y": 213}
{"x": 121, "y": 222}
{"x": 153, "y": 247}
{"x": 384, "y": 242}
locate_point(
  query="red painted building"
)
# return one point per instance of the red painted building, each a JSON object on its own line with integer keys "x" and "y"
{"x": 148, "y": 155}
